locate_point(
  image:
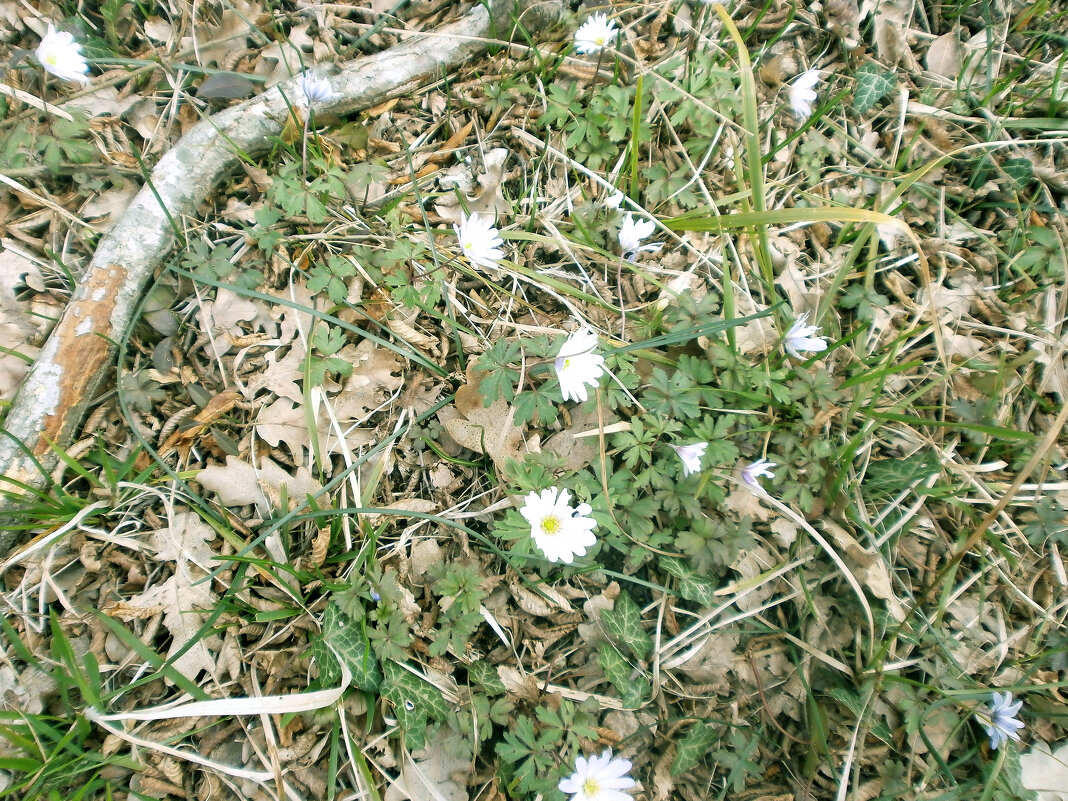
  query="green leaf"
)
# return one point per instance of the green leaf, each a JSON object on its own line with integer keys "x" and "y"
{"x": 481, "y": 674}
{"x": 692, "y": 586}
{"x": 348, "y": 641}
{"x": 873, "y": 84}
{"x": 632, "y": 691}
{"x": 697, "y": 742}
{"x": 623, "y": 625}
{"x": 415, "y": 702}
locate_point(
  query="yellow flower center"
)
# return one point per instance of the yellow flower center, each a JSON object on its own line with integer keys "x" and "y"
{"x": 567, "y": 363}
{"x": 52, "y": 59}
{"x": 591, "y": 787}
{"x": 550, "y": 525}
{"x": 599, "y": 40}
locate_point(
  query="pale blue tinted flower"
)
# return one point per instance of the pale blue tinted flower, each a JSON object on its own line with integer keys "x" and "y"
{"x": 691, "y": 457}
{"x": 314, "y": 88}
{"x": 1000, "y": 722}
{"x": 759, "y": 468}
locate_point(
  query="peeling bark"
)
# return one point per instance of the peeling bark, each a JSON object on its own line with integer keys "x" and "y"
{"x": 78, "y": 356}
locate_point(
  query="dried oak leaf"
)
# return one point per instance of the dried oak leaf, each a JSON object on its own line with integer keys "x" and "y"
{"x": 487, "y": 429}
{"x": 238, "y": 483}
{"x": 376, "y": 374}
{"x": 186, "y": 592}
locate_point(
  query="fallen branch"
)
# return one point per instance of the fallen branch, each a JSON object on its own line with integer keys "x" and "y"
{"x": 78, "y": 356}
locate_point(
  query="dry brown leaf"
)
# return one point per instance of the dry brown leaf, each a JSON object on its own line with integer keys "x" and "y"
{"x": 439, "y": 771}
{"x": 1046, "y": 771}
{"x": 892, "y": 19}
{"x": 714, "y": 661}
{"x": 377, "y": 373}
{"x": 579, "y": 451}
{"x": 745, "y": 503}
{"x": 285, "y": 421}
{"x": 482, "y": 191}
{"x": 188, "y": 590}
{"x": 25, "y": 692}
{"x": 944, "y": 56}
{"x": 238, "y": 483}
{"x": 221, "y": 319}
{"x": 487, "y": 429}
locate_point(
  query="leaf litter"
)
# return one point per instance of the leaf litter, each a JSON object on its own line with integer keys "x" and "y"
{"x": 387, "y": 476}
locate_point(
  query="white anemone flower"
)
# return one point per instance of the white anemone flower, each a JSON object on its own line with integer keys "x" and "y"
{"x": 760, "y": 468}
{"x": 62, "y": 56}
{"x": 561, "y": 531}
{"x": 803, "y": 337}
{"x": 802, "y": 93}
{"x": 480, "y": 241}
{"x": 691, "y": 457}
{"x": 578, "y": 366}
{"x": 631, "y": 234}
{"x": 599, "y": 778}
{"x": 314, "y": 89}
{"x": 613, "y": 201}
{"x": 595, "y": 33}
{"x": 1000, "y": 723}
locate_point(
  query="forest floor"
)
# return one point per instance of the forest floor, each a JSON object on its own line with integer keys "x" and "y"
{"x": 688, "y": 384}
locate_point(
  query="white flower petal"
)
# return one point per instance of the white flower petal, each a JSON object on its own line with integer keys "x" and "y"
{"x": 479, "y": 241}
{"x": 595, "y": 33}
{"x": 577, "y": 366}
{"x": 60, "y": 55}
{"x": 802, "y": 93}
{"x": 558, "y": 530}
{"x": 631, "y": 234}
{"x": 803, "y": 338}
{"x": 601, "y": 778}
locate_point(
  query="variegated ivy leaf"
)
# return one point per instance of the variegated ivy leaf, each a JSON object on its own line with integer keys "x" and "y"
{"x": 692, "y": 585}
{"x": 623, "y": 625}
{"x": 483, "y": 676}
{"x": 349, "y": 641}
{"x": 697, "y": 742}
{"x": 415, "y": 702}
{"x": 873, "y": 84}
{"x": 632, "y": 691}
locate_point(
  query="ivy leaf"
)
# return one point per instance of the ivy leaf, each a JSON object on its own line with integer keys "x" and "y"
{"x": 482, "y": 675}
{"x": 873, "y": 84}
{"x": 415, "y": 702}
{"x": 632, "y": 691}
{"x": 343, "y": 638}
{"x": 692, "y": 586}
{"x": 697, "y": 742}
{"x": 623, "y": 625}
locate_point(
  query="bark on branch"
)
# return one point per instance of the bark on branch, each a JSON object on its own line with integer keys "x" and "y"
{"x": 78, "y": 356}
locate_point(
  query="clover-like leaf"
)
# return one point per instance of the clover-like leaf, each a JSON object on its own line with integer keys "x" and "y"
{"x": 873, "y": 84}
{"x": 623, "y": 625}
